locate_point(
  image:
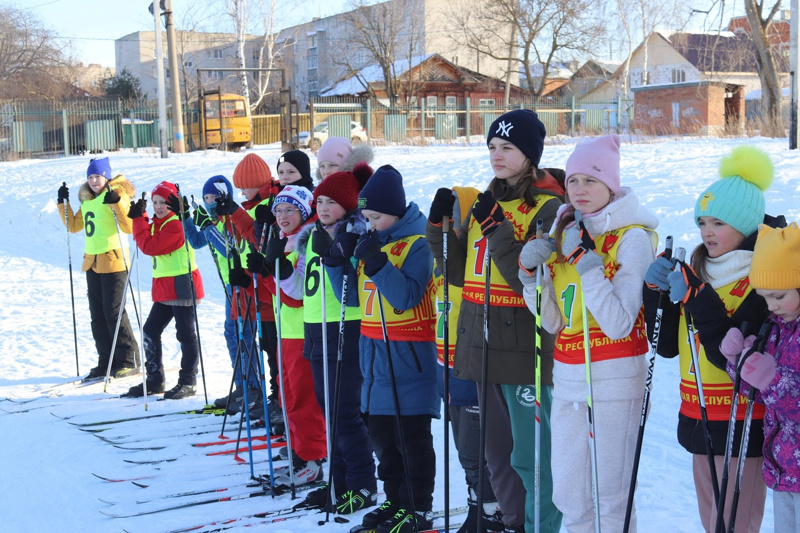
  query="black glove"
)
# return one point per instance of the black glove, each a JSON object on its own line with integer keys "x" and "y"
{"x": 138, "y": 208}
{"x": 264, "y": 215}
{"x": 342, "y": 248}
{"x": 174, "y": 205}
{"x": 226, "y": 205}
{"x": 321, "y": 241}
{"x": 276, "y": 251}
{"x": 201, "y": 218}
{"x": 369, "y": 251}
{"x": 111, "y": 197}
{"x": 63, "y": 193}
{"x": 257, "y": 264}
{"x": 238, "y": 277}
{"x": 487, "y": 213}
{"x": 442, "y": 206}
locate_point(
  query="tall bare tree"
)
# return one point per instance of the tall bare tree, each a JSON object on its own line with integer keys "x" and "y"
{"x": 531, "y": 34}
{"x": 771, "y": 92}
{"x": 239, "y": 12}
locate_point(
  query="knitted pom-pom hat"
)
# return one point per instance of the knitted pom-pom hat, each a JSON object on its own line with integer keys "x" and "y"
{"x": 343, "y": 187}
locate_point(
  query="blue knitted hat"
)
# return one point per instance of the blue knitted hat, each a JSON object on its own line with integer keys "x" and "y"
{"x": 101, "y": 167}
{"x": 210, "y": 186}
{"x": 384, "y": 192}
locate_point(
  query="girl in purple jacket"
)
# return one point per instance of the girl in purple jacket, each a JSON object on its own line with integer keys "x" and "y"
{"x": 775, "y": 274}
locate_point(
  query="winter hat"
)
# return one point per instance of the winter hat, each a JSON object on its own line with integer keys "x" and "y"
{"x": 738, "y": 198}
{"x": 335, "y": 150}
{"x": 101, "y": 167}
{"x": 384, "y": 192}
{"x": 599, "y": 158}
{"x": 343, "y": 187}
{"x": 300, "y": 197}
{"x": 251, "y": 172}
{"x": 523, "y": 129}
{"x": 776, "y": 258}
{"x": 299, "y": 160}
{"x": 210, "y": 185}
{"x": 164, "y": 190}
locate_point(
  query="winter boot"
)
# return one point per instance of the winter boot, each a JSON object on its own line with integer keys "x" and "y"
{"x": 514, "y": 529}
{"x": 179, "y": 392}
{"x": 229, "y": 400}
{"x": 125, "y": 371}
{"x": 351, "y": 501}
{"x": 319, "y": 498}
{"x": 405, "y": 521}
{"x": 137, "y": 391}
{"x": 373, "y": 518}
{"x": 491, "y": 520}
{"x": 305, "y": 472}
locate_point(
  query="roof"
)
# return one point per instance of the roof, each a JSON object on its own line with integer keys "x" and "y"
{"x": 716, "y": 52}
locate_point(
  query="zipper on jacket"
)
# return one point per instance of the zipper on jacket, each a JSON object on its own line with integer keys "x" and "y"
{"x": 771, "y": 458}
{"x": 416, "y": 359}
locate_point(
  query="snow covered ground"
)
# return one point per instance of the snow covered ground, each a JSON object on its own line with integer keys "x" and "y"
{"x": 48, "y": 463}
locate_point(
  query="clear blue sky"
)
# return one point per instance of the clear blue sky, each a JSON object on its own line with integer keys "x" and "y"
{"x": 93, "y": 25}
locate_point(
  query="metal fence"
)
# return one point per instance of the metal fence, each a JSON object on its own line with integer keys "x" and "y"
{"x": 55, "y": 128}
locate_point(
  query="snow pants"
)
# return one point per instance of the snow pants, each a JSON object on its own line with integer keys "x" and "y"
{"x": 466, "y": 434}
{"x": 231, "y": 331}
{"x": 303, "y": 414}
{"x": 105, "y": 298}
{"x": 160, "y": 316}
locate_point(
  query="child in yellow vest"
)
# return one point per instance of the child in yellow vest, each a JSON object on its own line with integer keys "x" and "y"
{"x": 606, "y": 266}
{"x": 715, "y": 290}
{"x": 104, "y": 261}
{"x": 498, "y": 224}
{"x": 175, "y": 292}
{"x": 395, "y": 287}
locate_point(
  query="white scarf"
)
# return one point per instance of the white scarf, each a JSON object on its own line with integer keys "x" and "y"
{"x": 728, "y": 268}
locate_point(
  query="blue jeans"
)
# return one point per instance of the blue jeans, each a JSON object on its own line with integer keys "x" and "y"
{"x": 232, "y": 340}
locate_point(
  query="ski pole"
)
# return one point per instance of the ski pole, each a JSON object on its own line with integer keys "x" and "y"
{"x": 116, "y": 328}
{"x": 398, "y": 419}
{"x": 537, "y": 441}
{"x": 325, "y": 370}
{"x": 758, "y": 346}
{"x": 124, "y": 259}
{"x": 648, "y": 387}
{"x": 142, "y": 355}
{"x": 487, "y": 268}
{"x": 67, "y": 211}
{"x": 194, "y": 296}
{"x": 195, "y": 205}
{"x": 446, "y": 376}
{"x": 587, "y": 352}
{"x": 698, "y": 379}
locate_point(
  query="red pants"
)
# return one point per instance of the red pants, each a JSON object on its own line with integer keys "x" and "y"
{"x": 305, "y": 420}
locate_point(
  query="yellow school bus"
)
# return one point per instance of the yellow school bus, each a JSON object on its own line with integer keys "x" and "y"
{"x": 226, "y": 121}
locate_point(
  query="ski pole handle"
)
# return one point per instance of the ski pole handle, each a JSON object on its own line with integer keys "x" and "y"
{"x": 680, "y": 254}
{"x": 668, "y": 247}
{"x": 445, "y": 224}
{"x": 539, "y": 228}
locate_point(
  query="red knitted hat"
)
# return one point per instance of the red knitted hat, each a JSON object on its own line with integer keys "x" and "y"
{"x": 251, "y": 172}
{"x": 343, "y": 187}
{"x": 164, "y": 190}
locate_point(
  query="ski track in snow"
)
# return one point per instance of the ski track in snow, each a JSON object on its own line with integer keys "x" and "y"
{"x": 48, "y": 464}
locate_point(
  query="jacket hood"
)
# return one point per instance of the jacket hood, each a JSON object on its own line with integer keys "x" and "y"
{"x": 411, "y": 223}
{"x": 625, "y": 210}
{"x": 361, "y": 152}
{"x": 119, "y": 183}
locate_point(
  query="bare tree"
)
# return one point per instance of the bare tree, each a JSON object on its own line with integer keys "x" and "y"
{"x": 390, "y": 34}
{"x": 239, "y": 12}
{"x": 533, "y": 34}
{"x": 770, "y": 82}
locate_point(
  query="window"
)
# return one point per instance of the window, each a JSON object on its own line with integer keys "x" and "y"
{"x": 255, "y": 54}
{"x": 431, "y": 101}
{"x": 584, "y": 86}
{"x": 678, "y": 75}
{"x": 215, "y": 54}
{"x": 486, "y": 102}
{"x": 312, "y": 62}
{"x": 636, "y": 78}
{"x": 450, "y": 102}
{"x": 188, "y": 63}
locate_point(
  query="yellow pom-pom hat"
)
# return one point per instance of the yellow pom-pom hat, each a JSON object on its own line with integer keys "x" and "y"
{"x": 738, "y": 198}
{"x": 776, "y": 258}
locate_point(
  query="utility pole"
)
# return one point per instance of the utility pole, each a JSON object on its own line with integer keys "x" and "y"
{"x": 794, "y": 130}
{"x": 174, "y": 83}
{"x": 162, "y": 100}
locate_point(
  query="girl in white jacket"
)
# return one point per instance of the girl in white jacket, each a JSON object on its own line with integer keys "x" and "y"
{"x": 605, "y": 266}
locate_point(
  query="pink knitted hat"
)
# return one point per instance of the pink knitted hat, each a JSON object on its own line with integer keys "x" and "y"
{"x": 335, "y": 149}
{"x": 598, "y": 158}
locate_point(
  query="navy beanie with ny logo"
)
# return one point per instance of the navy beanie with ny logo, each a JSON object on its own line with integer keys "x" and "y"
{"x": 523, "y": 129}
{"x": 384, "y": 192}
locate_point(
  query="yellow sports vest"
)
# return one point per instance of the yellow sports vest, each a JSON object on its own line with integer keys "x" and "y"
{"x": 454, "y": 305}
{"x": 521, "y": 215}
{"x": 312, "y": 295}
{"x": 99, "y": 227}
{"x": 717, "y": 385}
{"x": 291, "y": 317}
{"x": 567, "y": 289}
{"x": 415, "y": 324}
{"x": 174, "y": 263}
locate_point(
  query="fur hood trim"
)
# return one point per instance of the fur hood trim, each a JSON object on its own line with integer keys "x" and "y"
{"x": 119, "y": 183}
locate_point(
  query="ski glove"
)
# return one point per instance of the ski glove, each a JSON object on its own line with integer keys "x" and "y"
{"x": 276, "y": 251}
{"x": 579, "y": 249}
{"x": 734, "y": 344}
{"x": 226, "y": 205}
{"x": 342, "y": 248}
{"x": 684, "y": 283}
{"x": 321, "y": 241}
{"x": 535, "y": 253}
{"x": 174, "y": 205}
{"x": 759, "y": 369}
{"x": 63, "y": 193}
{"x": 111, "y": 197}
{"x": 487, "y": 213}
{"x": 201, "y": 218}
{"x": 656, "y": 276}
{"x": 442, "y": 206}
{"x": 138, "y": 208}
{"x": 257, "y": 264}
{"x": 369, "y": 251}
{"x": 237, "y": 276}
{"x": 264, "y": 215}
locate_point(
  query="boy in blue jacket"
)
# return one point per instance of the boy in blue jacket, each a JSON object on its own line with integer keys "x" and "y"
{"x": 396, "y": 292}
